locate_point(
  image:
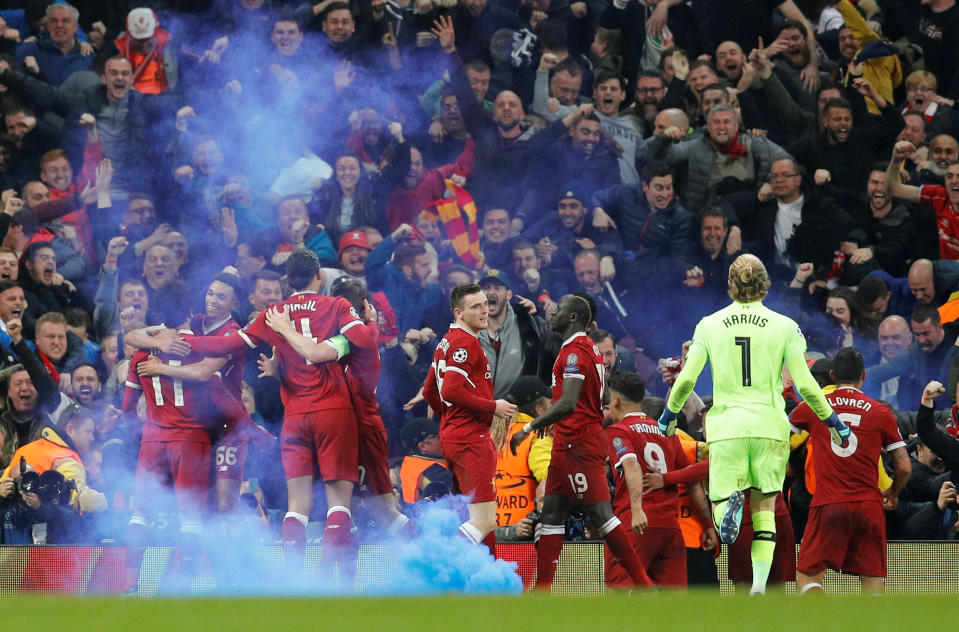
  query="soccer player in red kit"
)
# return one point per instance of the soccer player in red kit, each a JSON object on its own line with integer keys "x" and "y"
{"x": 175, "y": 444}
{"x": 459, "y": 388}
{"x": 362, "y": 375}
{"x": 636, "y": 448}
{"x": 319, "y": 424}
{"x": 847, "y": 525}
{"x": 577, "y": 468}
{"x": 231, "y": 443}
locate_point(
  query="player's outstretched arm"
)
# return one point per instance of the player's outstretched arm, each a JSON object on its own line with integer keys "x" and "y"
{"x": 804, "y": 382}
{"x": 329, "y": 350}
{"x": 200, "y": 371}
{"x": 685, "y": 381}
{"x": 160, "y": 338}
{"x": 938, "y": 441}
{"x": 560, "y": 409}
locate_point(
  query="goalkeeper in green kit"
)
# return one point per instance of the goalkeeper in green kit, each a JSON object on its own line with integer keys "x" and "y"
{"x": 747, "y": 429}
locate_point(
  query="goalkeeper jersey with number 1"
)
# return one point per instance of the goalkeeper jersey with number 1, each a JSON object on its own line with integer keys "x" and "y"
{"x": 747, "y": 345}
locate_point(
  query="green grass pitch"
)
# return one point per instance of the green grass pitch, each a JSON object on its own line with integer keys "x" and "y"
{"x": 654, "y": 612}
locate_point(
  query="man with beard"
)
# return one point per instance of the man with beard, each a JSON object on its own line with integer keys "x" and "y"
{"x": 443, "y": 148}
{"x": 515, "y": 342}
{"x": 882, "y": 71}
{"x": 844, "y": 151}
{"x": 885, "y": 231}
{"x": 85, "y": 386}
{"x": 943, "y": 200}
{"x": 649, "y": 92}
{"x": 796, "y": 56}
{"x": 943, "y": 150}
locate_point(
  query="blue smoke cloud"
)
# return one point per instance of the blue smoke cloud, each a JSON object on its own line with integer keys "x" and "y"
{"x": 439, "y": 560}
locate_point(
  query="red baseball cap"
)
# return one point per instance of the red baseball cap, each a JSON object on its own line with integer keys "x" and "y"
{"x": 353, "y": 238}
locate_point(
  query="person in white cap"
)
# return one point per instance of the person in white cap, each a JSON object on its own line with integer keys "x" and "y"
{"x": 148, "y": 49}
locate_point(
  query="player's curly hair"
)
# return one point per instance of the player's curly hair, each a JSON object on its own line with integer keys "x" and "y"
{"x": 748, "y": 279}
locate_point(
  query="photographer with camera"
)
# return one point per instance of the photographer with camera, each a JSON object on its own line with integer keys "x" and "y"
{"x": 34, "y": 507}
{"x": 51, "y": 480}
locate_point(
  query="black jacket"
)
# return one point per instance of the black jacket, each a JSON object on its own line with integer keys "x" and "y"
{"x": 660, "y": 242}
{"x": 849, "y": 163}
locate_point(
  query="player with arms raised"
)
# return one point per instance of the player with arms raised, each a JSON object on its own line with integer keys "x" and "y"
{"x": 847, "y": 526}
{"x": 459, "y": 387}
{"x": 747, "y": 345}
{"x": 319, "y": 423}
{"x": 577, "y": 467}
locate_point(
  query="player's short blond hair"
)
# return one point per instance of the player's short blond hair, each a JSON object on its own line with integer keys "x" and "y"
{"x": 748, "y": 279}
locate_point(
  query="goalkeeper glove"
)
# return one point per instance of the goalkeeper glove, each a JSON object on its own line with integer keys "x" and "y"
{"x": 667, "y": 422}
{"x": 840, "y": 432}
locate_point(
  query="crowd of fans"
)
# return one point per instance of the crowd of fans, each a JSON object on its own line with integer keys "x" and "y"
{"x": 625, "y": 149}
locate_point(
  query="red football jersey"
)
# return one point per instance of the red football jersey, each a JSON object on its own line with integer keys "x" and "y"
{"x": 637, "y": 436}
{"x": 579, "y": 358}
{"x": 947, "y": 220}
{"x": 459, "y": 363}
{"x": 175, "y": 408}
{"x": 232, "y": 371}
{"x": 849, "y": 474}
{"x": 307, "y": 387}
{"x": 362, "y": 376}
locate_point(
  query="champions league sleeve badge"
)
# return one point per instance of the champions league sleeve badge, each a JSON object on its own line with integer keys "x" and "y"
{"x": 460, "y": 355}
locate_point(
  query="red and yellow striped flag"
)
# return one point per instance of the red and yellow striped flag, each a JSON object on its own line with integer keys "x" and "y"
{"x": 458, "y": 214}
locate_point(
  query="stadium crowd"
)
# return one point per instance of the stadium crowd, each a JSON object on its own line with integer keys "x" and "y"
{"x": 622, "y": 149}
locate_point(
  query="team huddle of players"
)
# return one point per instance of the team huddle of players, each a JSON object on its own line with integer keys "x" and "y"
{"x": 327, "y": 361}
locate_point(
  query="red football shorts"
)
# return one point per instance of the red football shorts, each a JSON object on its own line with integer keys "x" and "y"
{"x": 230, "y": 454}
{"x": 784, "y": 557}
{"x": 326, "y": 439}
{"x": 848, "y": 537}
{"x": 183, "y": 466}
{"x": 578, "y": 470}
{"x": 473, "y": 466}
{"x": 374, "y": 466}
{"x": 662, "y": 551}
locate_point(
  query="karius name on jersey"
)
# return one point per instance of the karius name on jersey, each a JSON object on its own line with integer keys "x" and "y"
{"x": 852, "y": 402}
{"x": 745, "y": 319}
